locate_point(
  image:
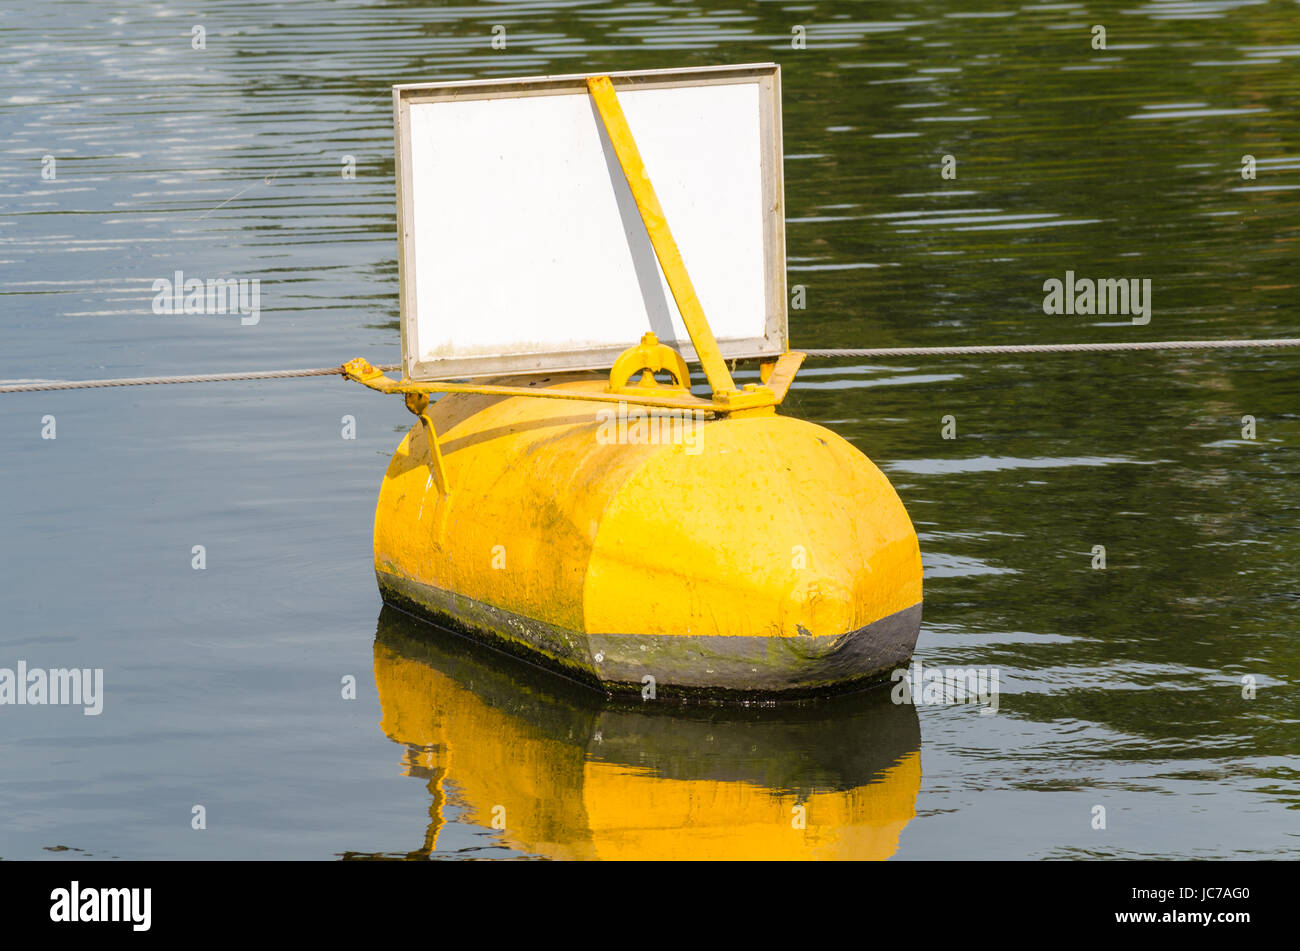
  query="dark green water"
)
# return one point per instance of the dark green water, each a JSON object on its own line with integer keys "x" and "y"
{"x": 1120, "y": 688}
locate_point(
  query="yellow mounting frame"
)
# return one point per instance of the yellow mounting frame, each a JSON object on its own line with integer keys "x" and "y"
{"x": 649, "y": 356}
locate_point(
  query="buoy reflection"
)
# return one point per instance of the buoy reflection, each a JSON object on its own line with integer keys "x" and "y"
{"x": 563, "y": 774}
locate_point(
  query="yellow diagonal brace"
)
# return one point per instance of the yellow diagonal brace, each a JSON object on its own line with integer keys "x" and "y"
{"x": 418, "y": 403}
{"x": 670, "y": 259}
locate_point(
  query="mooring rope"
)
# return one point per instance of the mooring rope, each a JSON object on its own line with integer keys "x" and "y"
{"x": 157, "y": 380}
{"x": 873, "y": 352}
{"x": 1057, "y": 348}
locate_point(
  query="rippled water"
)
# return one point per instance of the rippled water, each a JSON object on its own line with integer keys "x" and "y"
{"x": 1121, "y": 687}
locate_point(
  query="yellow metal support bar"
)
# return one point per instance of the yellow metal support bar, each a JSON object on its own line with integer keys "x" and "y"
{"x": 418, "y": 403}
{"x": 670, "y": 259}
{"x": 360, "y": 371}
{"x": 752, "y": 397}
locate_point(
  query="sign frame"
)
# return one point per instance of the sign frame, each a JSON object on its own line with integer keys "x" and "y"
{"x": 773, "y": 343}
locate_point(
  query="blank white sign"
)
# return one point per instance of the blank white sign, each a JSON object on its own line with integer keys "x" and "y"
{"x": 522, "y": 248}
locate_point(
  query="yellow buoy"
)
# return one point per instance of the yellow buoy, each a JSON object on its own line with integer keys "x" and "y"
{"x": 759, "y": 555}
{"x": 627, "y": 532}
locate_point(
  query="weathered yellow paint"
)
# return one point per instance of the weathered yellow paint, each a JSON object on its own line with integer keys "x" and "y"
{"x": 556, "y": 772}
{"x": 718, "y": 539}
{"x": 557, "y": 532}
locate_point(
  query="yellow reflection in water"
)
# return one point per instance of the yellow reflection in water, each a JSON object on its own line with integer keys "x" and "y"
{"x": 570, "y": 776}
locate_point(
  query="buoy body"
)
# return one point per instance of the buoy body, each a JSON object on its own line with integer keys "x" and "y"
{"x": 638, "y": 551}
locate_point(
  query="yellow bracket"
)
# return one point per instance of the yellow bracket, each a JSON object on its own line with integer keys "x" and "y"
{"x": 648, "y": 358}
{"x": 778, "y": 375}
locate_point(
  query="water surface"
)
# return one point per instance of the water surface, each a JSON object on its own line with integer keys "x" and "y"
{"x": 1121, "y": 687}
